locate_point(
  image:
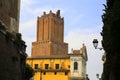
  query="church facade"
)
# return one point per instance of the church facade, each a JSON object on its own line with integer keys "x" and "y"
{"x": 50, "y": 59}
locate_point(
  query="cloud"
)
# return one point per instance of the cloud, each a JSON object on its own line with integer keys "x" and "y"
{"x": 28, "y": 30}
{"x": 32, "y": 7}
{"x": 28, "y": 41}
{"x": 77, "y": 37}
{"x": 28, "y": 24}
{"x": 26, "y": 3}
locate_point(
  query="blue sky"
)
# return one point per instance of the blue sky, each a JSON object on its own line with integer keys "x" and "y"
{"x": 82, "y": 20}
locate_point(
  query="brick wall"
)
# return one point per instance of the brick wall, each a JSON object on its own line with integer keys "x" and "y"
{"x": 50, "y": 36}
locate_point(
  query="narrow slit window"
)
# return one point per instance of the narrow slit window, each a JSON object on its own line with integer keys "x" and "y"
{"x": 75, "y": 66}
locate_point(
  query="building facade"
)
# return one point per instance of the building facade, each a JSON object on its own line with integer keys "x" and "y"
{"x": 50, "y": 59}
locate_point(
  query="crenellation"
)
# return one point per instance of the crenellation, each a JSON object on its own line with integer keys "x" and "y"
{"x": 50, "y": 12}
{"x": 44, "y": 13}
{"x": 58, "y": 13}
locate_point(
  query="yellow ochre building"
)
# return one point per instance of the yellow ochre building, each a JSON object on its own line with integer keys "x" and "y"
{"x": 50, "y": 59}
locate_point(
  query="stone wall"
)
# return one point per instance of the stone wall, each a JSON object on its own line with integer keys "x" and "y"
{"x": 12, "y": 62}
{"x": 9, "y": 14}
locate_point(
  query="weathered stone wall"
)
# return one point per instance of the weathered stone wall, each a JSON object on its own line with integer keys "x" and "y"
{"x": 11, "y": 61}
{"x": 9, "y": 14}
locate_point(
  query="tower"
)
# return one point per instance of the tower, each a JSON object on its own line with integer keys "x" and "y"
{"x": 50, "y": 35}
{"x": 78, "y": 60}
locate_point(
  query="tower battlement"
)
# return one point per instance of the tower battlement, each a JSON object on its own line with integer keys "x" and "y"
{"x": 51, "y": 14}
{"x": 50, "y": 35}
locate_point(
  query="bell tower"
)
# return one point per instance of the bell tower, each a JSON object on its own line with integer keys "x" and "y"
{"x": 78, "y": 59}
{"x": 50, "y": 35}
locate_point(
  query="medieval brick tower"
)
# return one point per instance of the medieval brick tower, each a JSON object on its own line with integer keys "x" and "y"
{"x": 50, "y": 36}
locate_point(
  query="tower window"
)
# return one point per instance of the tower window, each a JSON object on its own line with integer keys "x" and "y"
{"x": 44, "y": 73}
{"x": 55, "y": 73}
{"x": 75, "y": 66}
{"x": 57, "y": 66}
{"x": 36, "y": 66}
{"x": 46, "y": 66}
{"x": 66, "y": 73}
{"x": 68, "y": 66}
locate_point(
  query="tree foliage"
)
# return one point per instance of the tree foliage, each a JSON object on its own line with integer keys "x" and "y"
{"x": 29, "y": 72}
{"x": 111, "y": 28}
{"x": 111, "y": 38}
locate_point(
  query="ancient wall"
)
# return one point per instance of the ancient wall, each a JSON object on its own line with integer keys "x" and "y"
{"x": 9, "y": 14}
{"x": 12, "y": 49}
{"x": 12, "y": 61}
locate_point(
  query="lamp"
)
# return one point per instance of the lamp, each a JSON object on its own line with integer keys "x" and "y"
{"x": 97, "y": 75}
{"x": 95, "y": 44}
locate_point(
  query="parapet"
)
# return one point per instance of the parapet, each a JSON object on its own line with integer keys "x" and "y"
{"x": 57, "y": 14}
{"x": 81, "y": 51}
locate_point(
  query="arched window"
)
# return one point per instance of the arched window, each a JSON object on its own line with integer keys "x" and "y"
{"x": 75, "y": 66}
